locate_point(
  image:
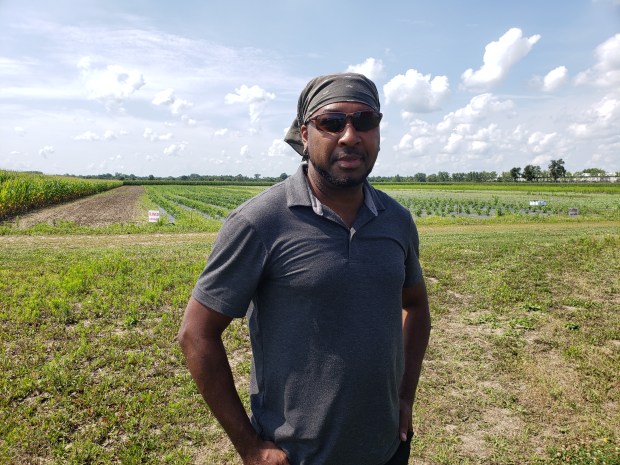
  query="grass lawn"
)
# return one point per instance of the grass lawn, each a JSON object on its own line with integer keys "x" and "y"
{"x": 523, "y": 364}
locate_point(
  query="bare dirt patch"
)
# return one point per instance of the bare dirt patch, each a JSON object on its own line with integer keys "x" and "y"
{"x": 119, "y": 205}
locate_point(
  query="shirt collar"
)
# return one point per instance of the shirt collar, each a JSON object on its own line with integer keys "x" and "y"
{"x": 298, "y": 193}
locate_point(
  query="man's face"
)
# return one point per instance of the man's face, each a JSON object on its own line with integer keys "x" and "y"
{"x": 346, "y": 158}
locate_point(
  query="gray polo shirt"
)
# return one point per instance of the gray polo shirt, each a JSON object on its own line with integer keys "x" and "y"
{"x": 325, "y": 319}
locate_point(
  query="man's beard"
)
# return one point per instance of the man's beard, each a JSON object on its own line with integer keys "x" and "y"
{"x": 343, "y": 181}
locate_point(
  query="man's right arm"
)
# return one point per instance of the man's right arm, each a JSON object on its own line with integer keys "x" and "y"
{"x": 200, "y": 338}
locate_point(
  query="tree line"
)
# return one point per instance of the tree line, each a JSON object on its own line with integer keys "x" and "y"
{"x": 557, "y": 171}
{"x": 530, "y": 173}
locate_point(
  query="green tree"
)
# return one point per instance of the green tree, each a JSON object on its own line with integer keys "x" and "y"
{"x": 515, "y": 173}
{"x": 443, "y": 176}
{"x": 556, "y": 169}
{"x": 531, "y": 172}
{"x": 594, "y": 171}
{"x": 505, "y": 177}
{"x": 419, "y": 177}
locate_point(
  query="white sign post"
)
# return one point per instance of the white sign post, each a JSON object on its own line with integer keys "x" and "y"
{"x": 153, "y": 216}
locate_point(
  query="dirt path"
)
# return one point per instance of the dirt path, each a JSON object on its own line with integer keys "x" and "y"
{"x": 77, "y": 241}
{"x": 119, "y": 205}
{"x": 129, "y": 240}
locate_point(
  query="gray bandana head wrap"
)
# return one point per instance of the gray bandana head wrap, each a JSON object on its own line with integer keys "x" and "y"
{"x": 323, "y": 90}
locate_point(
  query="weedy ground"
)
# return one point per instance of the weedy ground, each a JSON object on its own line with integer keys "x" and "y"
{"x": 522, "y": 367}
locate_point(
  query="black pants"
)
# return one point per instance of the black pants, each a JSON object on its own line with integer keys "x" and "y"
{"x": 401, "y": 457}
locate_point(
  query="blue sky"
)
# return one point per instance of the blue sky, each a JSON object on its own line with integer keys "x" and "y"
{"x": 171, "y": 88}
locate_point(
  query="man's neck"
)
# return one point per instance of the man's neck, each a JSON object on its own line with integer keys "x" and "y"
{"x": 344, "y": 201}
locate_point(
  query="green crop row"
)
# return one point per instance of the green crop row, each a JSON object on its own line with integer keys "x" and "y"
{"x": 499, "y": 203}
{"x": 189, "y": 202}
{"x": 20, "y": 192}
{"x": 217, "y": 201}
{"x": 181, "y": 215}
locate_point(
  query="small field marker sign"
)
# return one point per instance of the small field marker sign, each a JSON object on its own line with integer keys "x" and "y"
{"x": 153, "y": 216}
{"x": 538, "y": 203}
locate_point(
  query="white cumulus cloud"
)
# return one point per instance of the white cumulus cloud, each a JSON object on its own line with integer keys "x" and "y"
{"x": 180, "y": 105}
{"x": 416, "y": 92}
{"x": 189, "y": 122}
{"x": 371, "y": 68}
{"x": 168, "y": 99}
{"x": 47, "y": 150}
{"x": 606, "y": 71}
{"x": 420, "y": 137}
{"x": 88, "y": 136}
{"x": 461, "y": 136}
{"x": 499, "y": 57}
{"x": 539, "y": 142}
{"x": 555, "y": 79}
{"x": 109, "y": 135}
{"x": 600, "y": 121}
{"x": 111, "y": 85}
{"x": 278, "y": 148}
{"x": 154, "y": 136}
{"x": 19, "y": 131}
{"x": 165, "y": 97}
{"x": 478, "y": 108}
{"x": 175, "y": 149}
{"x": 255, "y": 97}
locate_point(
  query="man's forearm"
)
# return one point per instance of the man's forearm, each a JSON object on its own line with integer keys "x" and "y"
{"x": 200, "y": 337}
{"x": 209, "y": 366}
{"x": 416, "y": 333}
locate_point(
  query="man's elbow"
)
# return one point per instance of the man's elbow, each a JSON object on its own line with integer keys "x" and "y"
{"x": 184, "y": 337}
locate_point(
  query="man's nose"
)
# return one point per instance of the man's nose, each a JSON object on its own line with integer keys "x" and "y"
{"x": 349, "y": 134}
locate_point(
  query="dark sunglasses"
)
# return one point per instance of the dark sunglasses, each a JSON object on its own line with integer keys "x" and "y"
{"x": 335, "y": 122}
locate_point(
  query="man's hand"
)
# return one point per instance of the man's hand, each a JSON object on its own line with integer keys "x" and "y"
{"x": 266, "y": 453}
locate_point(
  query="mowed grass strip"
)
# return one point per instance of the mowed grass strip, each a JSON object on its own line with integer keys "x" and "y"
{"x": 522, "y": 367}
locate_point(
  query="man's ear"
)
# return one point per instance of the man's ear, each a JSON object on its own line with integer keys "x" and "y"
{"x": 304, "y": 134}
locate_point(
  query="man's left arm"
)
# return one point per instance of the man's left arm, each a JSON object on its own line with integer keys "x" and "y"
{"x": 416, "y": 332}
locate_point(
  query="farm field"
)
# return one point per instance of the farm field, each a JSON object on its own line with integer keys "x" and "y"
{"x": 190, "y": 203}
{"x": 21, "y": 192}
{"x": 203, "y": 207}
{"x": 522, "y": 366}
{"x": 121, "y": 205}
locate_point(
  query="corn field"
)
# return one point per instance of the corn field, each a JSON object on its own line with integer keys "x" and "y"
{"x": 21, "y": 192}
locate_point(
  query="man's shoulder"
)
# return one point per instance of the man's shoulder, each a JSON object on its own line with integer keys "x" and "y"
{"x": 270, "y": 201}
{"x": 390, "y": 204}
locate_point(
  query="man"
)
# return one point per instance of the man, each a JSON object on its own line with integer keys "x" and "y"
{"x": 339, "y": 319}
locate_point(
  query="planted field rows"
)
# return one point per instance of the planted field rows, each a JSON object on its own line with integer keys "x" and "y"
{"x": 488, "y": 203}
{"x": 21, "y": 192}
{"x": 203, "y": 207}
{"x": 199, "y": 204}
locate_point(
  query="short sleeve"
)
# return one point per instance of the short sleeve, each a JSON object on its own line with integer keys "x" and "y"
{"x": 234, "y": 268}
